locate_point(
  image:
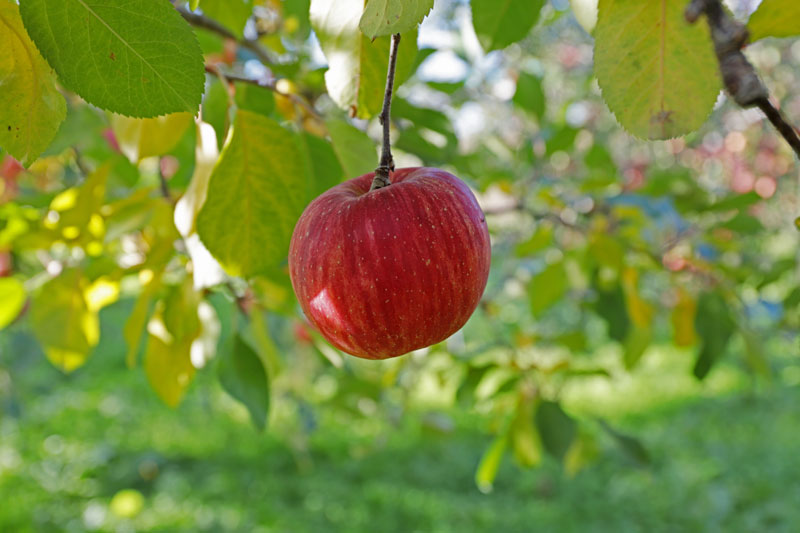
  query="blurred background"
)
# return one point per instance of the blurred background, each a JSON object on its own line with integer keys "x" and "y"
{"x": 633, "y": 365}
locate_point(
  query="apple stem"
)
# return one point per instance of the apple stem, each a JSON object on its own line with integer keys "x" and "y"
{"x": 386, "y": 164}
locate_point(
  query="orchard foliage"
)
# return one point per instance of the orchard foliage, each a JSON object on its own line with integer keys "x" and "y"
{"x": 158, "y": 156}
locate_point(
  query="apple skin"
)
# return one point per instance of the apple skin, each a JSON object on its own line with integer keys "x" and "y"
{"x": 381, "y": 273}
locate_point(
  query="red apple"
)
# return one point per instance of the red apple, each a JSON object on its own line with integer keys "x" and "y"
{"x": 381, "y": 273}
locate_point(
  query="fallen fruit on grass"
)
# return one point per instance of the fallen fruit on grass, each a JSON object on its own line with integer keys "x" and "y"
{"x": 381, "y": 273}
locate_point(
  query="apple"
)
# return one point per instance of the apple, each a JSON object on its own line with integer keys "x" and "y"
{"x": 383, "y": 272}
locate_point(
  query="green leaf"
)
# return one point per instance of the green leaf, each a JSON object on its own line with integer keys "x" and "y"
{"x": 216, "y": 106}
{"x": 775, "y": 18}
{"x": 715, "y": 326}
{"x": 562, "y": 139}
{"x": 582, "y": 452}
{"x": 324, "y": 165}
{"x": 556, "y": 428}
{"x": 62, "y": 322}
{"x": 255, "y": 195}
{"x": 31, "y": 108}
{"x": 547, "y": 287}
{"x": 385, "y": 17}
{"x": 242, "y": 375}
{"x": 499, "y": 23}
{"x": 735, "y": 201}
{"x": 630, "y": 446}
{"x": 743, "y": 223}
{"x": 194, "y": 4}
{"x": 658, "y": 73}
{"x": 525, "y": 441}
{"x": 254, "y": 98}
{"x": 133, "y": 57}
{"x": 490, "y": 463}
{"x": 598, "y": 159}
{"x": 295, "y": 13}
{"x": 530, "y": 95}
{"x": 541, "y": 239}
{"x": 356, "y": 152}
{"x": 611, "y": 307}
{"x": 755, "y": 354}
{"x": 636, "y": 344}
{"x": 12, "y": 299}
{"x": 606, "y": 251}
{"x": 232, "y": 14}
{"x": 356, "y": 76}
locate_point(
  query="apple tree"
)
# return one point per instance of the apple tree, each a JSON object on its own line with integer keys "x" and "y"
{"x": 635, "y": 163}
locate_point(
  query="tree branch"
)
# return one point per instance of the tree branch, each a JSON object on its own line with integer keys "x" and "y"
{"x": 227, "y": 77}
{"x": 738, "y": 75}
{"x": 386, "y": 163}
{"x": 201, "y": 21}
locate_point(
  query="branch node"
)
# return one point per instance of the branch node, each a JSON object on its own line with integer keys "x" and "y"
{"x": 738, "y": 74}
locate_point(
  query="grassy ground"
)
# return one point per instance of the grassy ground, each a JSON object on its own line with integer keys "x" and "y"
{"x": 71, "y": 448}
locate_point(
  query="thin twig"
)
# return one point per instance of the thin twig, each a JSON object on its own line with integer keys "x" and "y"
{"x": 80, "y": 163}
{"x": 738, "y": 75}
{"x": 162, "y": 180}
{"x": 386, "y": 163}
{"x": 227, "y": 77}
{"x": 784, "y": 128}
{"x": 201, "y": 21}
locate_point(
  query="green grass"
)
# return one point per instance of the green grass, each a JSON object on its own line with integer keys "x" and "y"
{"x": 725, "y": 463}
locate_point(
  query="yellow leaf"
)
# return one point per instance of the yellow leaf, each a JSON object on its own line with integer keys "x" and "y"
{"x": 639, "y": 310}
{"x": 525, "y": 441}
{"x": 582, "y": 451}
{"x": 683, "y": 319}
{"x": 79, "y": 207}
{"x": 171, "y": 331}
{"x": 12, "y": 298}
{"x": 775, "y": 18}
{"x": 490, "y": 463}
{"x": 32, "y": 107}
{"x": 168, "y": 367}
{"x": 63, "y": 322}
{"x": 139, "y": 138}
